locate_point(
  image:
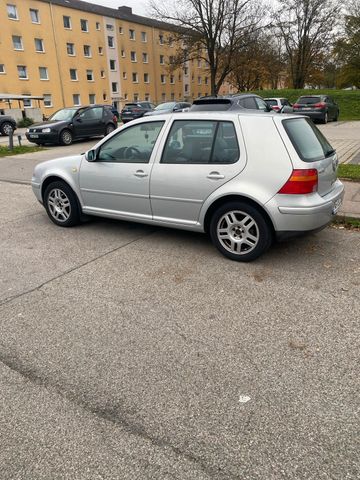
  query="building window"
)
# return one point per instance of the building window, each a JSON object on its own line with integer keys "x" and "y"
{"x": 163, "y": 97}
{"x": 110, "y": 27}
{"x": 70, "y": 48}
{"x": 87, "y": 51}
{"x": 102, "y": 73}
{"x": 125, "y": 96}
{"x": 146, "y": 78}
{"x": 76, "y": 99}
{"x": 171, "y": 42}
{"x": 143, "y": 36}
{"x": 172, "y": 79}
{"x": 206, "y": 80}
{"x": 12, "y": 12}
{"x": 84, "y": 25}
{"x": 135, "y": 78}
{"x": 133, "y": 56}
{"x": 199, "y": 80}
{"x": 145, "y": 58}
{"x": 111, "y": 42}
{"x": 47, "y": 100}
{"x": 100, "y": 49}
{"x": 186, "y": 88}
{"x": 104, "y": 96}
{"x": 172, "y": 96}
{"x": 39, "y": 45}
{"x": 199, "y": 63}
{"x": 73, "y": 74}
{"x": 162, "y": 78}
{"x": 27, "y": 103}
{"x": 17, "y": 42}
{"x": 136, "y": 97}
{"x": 2, "y": 68}
{"x": 97, "y": 25}
{"x": 161, "y": 39}
{"x": 162, "y": 59}
{"x": 171, "y": 59}
{"x": 123, "y": 53}
{"x": 66, "y": 21}
{"x": 112, "y": 65}
{"x": 43, "y": 72}
{"x": 89, "y": 75}
{"x": 132, "y": 34}
{"x": 186, "y": 71}
{"x": 114, "y": 87}
{"x": 147, "y": 97}
{"x": 124, "y": 76}
{"x": 121, "y": 30}
{"x": 92, "y": 98}
{"x": 22, "y": 72}
{"x": 34, "y": 15}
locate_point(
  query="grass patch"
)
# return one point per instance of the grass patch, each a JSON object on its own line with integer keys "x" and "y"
{"x": 349, "y": 172}
{"x": 5, "y": 151}
{"x": 348, "y": 100}
{"x": 348, "y": 224}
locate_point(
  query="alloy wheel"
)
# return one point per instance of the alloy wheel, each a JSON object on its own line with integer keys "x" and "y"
{"x": 59, "y": 205}
{"x": 238, "y": 232}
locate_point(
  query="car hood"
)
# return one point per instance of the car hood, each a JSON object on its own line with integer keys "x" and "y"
{"x": 49, "y": 124}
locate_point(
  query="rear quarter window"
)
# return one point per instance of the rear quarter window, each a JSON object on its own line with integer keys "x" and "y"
{"x": 309, "y": 143}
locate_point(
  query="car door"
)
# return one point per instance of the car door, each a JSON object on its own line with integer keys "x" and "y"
{"x": 117, "y": 183}
{"x": 88, "y": 122}
{"x": 198, "y": 157}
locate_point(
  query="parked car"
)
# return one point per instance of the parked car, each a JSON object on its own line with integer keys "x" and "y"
{"x": 277, "y": 103}
{"x": 239, "y": 101}
{"x": 69, "y": 124}
{"x": 7, "y": 124}
{"x": 318, "y": 107}
{"x": 243, "y": 178}
{"x": 134, "y": 110}
{"x": 169, "y": 107}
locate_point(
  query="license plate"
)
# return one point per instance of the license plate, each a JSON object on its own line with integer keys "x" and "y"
{"x": 336, "y": 206}
{"x": 32, "y": 135}
{"x": 307, "y": 108}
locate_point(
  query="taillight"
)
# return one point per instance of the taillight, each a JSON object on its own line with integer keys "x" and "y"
{"x": 300, "y": 182}
{"x": 296, "y": 105}
{"x": 319, "y": 105}
{"x": 276, "y": 108}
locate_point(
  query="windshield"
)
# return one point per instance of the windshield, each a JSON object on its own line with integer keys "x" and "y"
{"x": 64, "y": 114}
{"x": 309, "y": 142}
{"x": 166, "y": 106}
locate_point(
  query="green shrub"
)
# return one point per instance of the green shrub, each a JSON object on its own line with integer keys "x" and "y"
{"x": 25, "y": 122}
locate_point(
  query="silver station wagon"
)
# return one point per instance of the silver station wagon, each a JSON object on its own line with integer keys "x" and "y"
{"x": 244, "y": 178}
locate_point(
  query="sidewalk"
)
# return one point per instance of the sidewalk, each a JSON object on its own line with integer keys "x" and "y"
{"x": 351, "y": 204}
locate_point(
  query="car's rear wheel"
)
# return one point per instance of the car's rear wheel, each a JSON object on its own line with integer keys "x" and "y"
{"x": 336, "y": 118}
{"x": 109, "y": 128}
{"x": 325, "y": 118}
{"x": 240, "y": 232}
{"x": 6, "y": 128}
{"x": 61, "y": 204}
{"x": 66, "y": 137}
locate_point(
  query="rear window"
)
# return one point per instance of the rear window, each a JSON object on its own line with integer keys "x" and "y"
{"x": 131, "y": 106}
{"x": 273, "y": 103}
{"x": 309, "y": 142}
{"x": 308, "y": 100}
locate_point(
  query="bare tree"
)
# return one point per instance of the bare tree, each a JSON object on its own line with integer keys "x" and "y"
{"x": 307, "y": 27}
{"x": 212, "y": 30}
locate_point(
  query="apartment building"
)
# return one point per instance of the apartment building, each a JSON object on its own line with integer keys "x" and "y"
{"x": 76, "y": 53}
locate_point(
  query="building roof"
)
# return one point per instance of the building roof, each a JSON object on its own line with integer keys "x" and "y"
{"x": 121, "y": 13}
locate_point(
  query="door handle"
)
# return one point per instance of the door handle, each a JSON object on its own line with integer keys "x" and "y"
{"x": 215, "y": 176}
{"x": 140, "y": 174}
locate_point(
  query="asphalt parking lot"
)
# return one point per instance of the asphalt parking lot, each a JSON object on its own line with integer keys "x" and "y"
{"x": 131, "y": 352}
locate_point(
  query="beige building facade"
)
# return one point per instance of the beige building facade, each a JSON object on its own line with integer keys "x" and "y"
{"x": 76, "y": 53}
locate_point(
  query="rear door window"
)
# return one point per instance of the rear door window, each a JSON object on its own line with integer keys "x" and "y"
{"x": 309, "y": 142}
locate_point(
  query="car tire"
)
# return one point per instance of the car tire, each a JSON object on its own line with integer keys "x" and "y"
{"x": 66, "y": 137}
{"x": 336, "y": 118}
{"x": 6, "y": 127}
{"x": 61, "y": 204}
{"x": 325, "y": 118}
{"x": 39, "y": 144}
{"x": 109, "y": 128}
{"x": 240, "y": 231}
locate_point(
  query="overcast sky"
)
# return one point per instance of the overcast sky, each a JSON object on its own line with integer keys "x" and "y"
{"x": 139, "y": 7}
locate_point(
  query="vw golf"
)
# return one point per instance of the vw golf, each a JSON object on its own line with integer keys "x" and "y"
{"x": 245, "y": 178}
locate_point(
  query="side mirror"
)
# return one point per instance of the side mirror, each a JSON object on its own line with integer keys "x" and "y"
{"x": 91, "y": 155}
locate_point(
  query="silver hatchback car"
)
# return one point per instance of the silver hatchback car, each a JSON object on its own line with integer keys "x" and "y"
{"x": 245, "y": 178}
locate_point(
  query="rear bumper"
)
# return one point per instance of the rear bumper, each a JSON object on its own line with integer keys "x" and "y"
{"x": 313, "y": 114}
{"x": 291, "y": 214}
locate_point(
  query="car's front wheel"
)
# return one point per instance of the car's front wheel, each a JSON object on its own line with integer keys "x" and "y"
{"x": 66, "y": 137}
{"x": 61, "y": 204}
{"x": 6, "y": 128}
{"x": 240, "y": 232}
{"x": 109, "y": 128}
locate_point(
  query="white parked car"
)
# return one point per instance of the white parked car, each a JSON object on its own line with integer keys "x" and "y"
{"x": 245, "y": 178}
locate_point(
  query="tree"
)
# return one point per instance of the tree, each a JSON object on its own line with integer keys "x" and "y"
{"x": 347, "y": 49}
{"x": 307, "y": 28}
{"x": 212, "y": 30}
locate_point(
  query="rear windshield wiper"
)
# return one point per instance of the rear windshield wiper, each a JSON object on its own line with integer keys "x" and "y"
{"x": 329, "y": 153}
